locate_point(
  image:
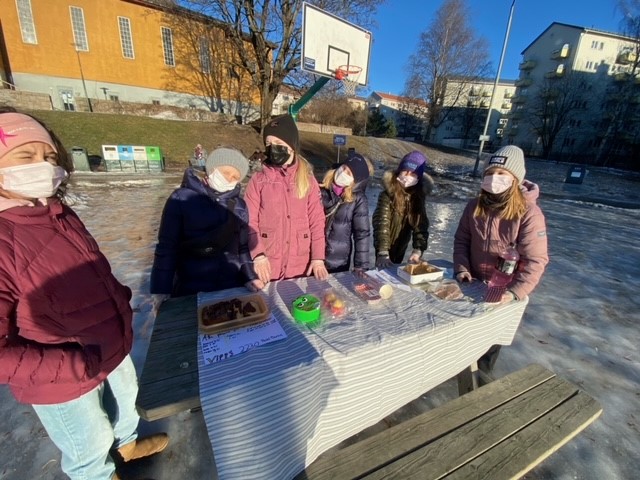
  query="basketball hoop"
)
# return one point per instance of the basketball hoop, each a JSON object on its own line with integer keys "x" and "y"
{"x": 348, "y": 75}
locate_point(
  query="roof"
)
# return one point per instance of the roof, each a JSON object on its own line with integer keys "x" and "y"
{"x": 400, "y": 99}
{"x": 583, "y": 30}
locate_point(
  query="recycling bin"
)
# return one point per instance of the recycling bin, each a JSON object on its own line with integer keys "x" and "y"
{"x": 576, "y": 174}
{"x": 80, "y": 159}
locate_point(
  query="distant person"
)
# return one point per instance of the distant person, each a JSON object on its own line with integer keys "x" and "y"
{"x": 199, "y": 157}
{"x": 505, "y": 211}
{"x": 65, "y": 320}
{"x": 203, "y": 236}
{"x": 346, "y": 209}
{"x": 400, "y": 216}
{"x": 286, "y": 218}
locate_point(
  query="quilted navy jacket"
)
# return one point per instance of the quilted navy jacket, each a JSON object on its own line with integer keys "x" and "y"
{"x": 347, "y": 230}
{"x": 202, "y": 244}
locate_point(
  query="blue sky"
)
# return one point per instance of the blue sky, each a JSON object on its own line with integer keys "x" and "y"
{"x": 400, "y": 23}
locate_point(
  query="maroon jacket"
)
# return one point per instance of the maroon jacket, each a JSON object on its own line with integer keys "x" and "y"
{"x": 478, "y": 242}
{"x": 65, "y": 321}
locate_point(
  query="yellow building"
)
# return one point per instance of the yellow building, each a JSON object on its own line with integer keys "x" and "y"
{"x": 120, "y": 50}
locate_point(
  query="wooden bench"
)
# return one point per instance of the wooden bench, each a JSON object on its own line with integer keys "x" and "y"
{"x": 498, "y": 431}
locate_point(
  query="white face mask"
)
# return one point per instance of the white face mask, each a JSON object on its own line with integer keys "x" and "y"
{"x": 220, "y": 184}
{"x": 33, "y": 180}
{"x": 342, "y": 178}
{"x": 496, "y": 183}
{"x": 407, "y": 180}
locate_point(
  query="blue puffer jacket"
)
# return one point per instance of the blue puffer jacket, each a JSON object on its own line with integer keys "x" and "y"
{"x": 201, "y": 247}
{"x": 347, "y": 228}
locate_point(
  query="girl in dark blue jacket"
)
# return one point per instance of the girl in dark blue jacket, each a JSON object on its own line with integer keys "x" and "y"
{"x": 203, "y": 236}
{"x": 346, "y": 207}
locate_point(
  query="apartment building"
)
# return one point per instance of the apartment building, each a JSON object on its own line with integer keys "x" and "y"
{"x": 408, "y": 114}
{"x": 145, "y": 51}
{"x": 464, "y": 113}
{"x": 577, "y": 96}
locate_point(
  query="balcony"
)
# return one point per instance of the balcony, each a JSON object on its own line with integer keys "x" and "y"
{"x": 555, "y": 73}
{"x": 626, "y": 57}
{"x": 486, "y": 93}
{"x": 472, "y": 103}
{"x": 508, "y": 94}
{"x": 485, "y": 103}
{"x": 519, "y": 99}
{"x": 513, "y": 131}
{"x": 523, "y": 82}
{"x": 621, "y": 76}
{"x": 505, "y": 106}
{"x": 527, "y": 65}
{"x": 561, "y": 52}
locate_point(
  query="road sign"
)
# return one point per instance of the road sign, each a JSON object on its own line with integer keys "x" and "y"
{"x": 339, "y": 140}
{"x": 485, "y": 138}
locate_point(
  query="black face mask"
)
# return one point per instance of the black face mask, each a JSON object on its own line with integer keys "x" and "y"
{"x": 277, "y": 155}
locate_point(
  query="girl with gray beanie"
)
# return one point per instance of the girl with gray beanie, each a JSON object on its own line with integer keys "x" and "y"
{"x": 504, "y": 212}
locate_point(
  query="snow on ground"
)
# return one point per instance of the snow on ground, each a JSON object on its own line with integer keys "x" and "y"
{"x": 582, "y": 321}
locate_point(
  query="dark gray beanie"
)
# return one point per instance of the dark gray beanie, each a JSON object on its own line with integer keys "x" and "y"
{"x": 227, "y": 156}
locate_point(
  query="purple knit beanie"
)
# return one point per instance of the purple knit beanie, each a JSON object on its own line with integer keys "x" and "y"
{"x": 415, "y": 162}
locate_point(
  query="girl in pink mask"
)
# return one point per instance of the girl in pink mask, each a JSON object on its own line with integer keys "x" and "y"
{"x": 504, "y": 212}
{"x": 65, "y": 320}
{"x": 400, "y": 215}
{"x": 346, "y": 209}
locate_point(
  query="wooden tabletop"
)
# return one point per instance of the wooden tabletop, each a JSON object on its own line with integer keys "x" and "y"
{"x": 169, "y": 381}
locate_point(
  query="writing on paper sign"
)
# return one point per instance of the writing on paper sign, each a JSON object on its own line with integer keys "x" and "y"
{"x": 220, "y": 346}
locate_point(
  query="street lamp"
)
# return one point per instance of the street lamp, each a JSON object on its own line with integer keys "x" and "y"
{"x": 84, "y": 85}
{"x": 483, "y": 138}
{"x": 104, "y": 90}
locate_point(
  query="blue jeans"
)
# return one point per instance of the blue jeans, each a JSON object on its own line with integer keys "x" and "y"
{"x": 85, "y": 429}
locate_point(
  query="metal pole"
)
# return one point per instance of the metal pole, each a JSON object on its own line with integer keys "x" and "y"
{"x": 84, "y": 85}
{"x": 495, "y": 86}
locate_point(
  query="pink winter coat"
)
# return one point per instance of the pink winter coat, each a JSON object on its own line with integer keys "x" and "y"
{"x": 478, "y": 241}
{"x": 65, "y": 320}
{"x": 287, "y": 229}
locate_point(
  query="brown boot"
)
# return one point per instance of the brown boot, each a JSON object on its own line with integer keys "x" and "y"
{"x": 143, "y": 447}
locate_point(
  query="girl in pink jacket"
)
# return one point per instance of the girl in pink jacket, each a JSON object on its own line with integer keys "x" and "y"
{"x": 286, "y": 217}
{"x": 504, "y": 212}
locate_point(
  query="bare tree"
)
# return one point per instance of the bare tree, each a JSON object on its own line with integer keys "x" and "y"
{"x": 554, "y": 104}
{"x": 272, "y": 30}
{"x": 448, "y": 49}
{"x": 621, "y": 106}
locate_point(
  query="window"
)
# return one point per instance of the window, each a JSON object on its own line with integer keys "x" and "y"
{"x": 167, "y": 46}
{"x": 205, "y": 55}
{"x": 114, "y": 98}
{"x": 126, "y": 42}
{"x": 589, "y": 65}
{"x": 79, "y": 31}
{"x": 25, "y": 16}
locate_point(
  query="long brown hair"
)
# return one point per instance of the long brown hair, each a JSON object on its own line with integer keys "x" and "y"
{"x": 510, "y": 205}
{"x": 408, "y": 201}
{"x": 63, "y": 157}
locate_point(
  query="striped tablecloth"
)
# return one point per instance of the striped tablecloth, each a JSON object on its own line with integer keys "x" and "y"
{"x": 272, "y": 411}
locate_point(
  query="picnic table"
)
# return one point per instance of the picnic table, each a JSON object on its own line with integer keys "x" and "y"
{"x": 273, "y": 410}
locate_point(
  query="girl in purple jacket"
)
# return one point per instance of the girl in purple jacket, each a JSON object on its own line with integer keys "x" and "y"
{"x": 286, "y": 218}
{"x": 504, "y": 212}
{"x": 65, "y": 320}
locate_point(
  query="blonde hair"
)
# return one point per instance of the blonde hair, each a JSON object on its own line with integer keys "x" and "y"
{"x": 303, "y": 176}
{"x": 510, "y": 205}
{"x": 347, "y": 193}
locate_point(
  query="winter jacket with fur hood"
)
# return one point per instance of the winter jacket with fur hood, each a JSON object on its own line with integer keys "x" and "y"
{"x": 344, "y": 222}
{"x": 479, "y": 240}
{"x": 65, "y": 321}
{"x": 287, "y": 229}
{"x": 203, "y": 242}
{"x": 392, "y": 231}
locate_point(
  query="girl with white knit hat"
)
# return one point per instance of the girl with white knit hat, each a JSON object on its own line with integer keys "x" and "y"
{"x": 504, "y": 212}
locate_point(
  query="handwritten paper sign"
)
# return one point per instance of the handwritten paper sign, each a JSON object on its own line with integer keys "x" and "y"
{"x": 220, "y": 346}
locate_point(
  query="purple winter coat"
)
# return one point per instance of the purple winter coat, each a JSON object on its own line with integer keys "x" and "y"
{"x": 65, "y": 321}
{"x": 478, "y": 241}
{"x": 287, "y": 229}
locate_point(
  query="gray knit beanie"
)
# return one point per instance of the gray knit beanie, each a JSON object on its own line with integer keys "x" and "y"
{"x": 227, "y": 156}
{"x": 510, "y": 158}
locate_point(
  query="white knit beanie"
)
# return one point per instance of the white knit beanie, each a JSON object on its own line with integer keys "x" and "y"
{"x": 227, "y": 156}
{"x": 510, "y": 158}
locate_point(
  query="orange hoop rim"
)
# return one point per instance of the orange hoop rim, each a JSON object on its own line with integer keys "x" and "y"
{"x": 343, "y": 71}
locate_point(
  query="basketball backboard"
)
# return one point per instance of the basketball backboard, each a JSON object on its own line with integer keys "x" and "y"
{"x": 330, "y": 42}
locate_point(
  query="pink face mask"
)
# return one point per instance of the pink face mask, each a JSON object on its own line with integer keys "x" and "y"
{"x": 407, "y": 180}
{"x": 496, "y": 183}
